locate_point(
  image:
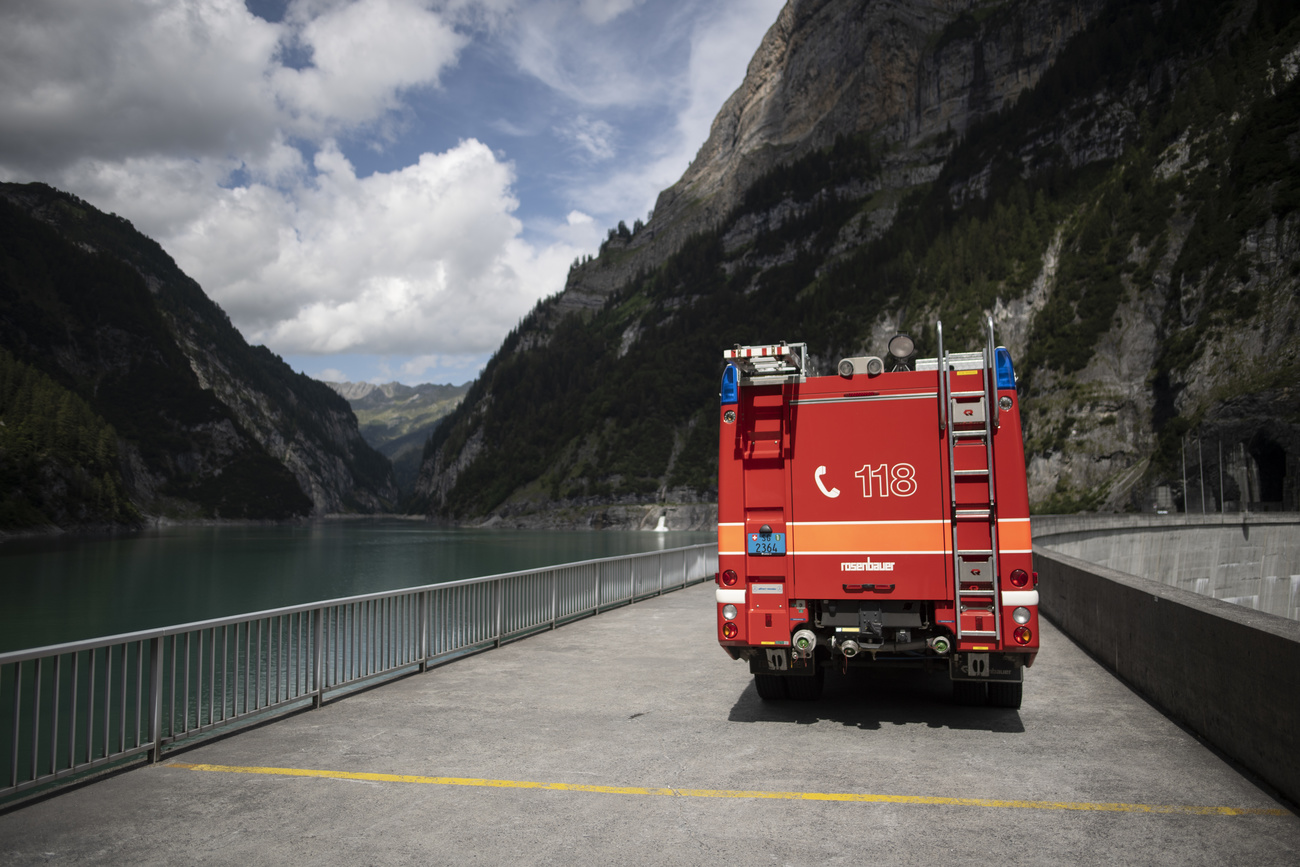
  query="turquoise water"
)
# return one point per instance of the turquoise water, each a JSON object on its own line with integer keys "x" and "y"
{"x": 64, "y": 590}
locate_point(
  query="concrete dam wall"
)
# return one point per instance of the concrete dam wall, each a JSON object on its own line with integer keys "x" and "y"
{"x": 1250, "y": 559}
{"x": 1123, "y": 587}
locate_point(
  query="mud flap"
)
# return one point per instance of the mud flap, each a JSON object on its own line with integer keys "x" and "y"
{"x": 986, "y": 667}
{"x": 779, "y": 661}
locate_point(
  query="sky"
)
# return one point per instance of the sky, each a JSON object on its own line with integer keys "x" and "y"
{"x": 376, "y": 190}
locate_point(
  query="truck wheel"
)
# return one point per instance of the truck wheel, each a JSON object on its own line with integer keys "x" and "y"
{"x": 968, "y": 692}
{"x": 806, "y": 688}
{"x": 770, "y": 687}
{"x": 1006, "y": 694}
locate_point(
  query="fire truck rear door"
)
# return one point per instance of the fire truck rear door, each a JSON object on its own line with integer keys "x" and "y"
{"x": 869, "y": 516}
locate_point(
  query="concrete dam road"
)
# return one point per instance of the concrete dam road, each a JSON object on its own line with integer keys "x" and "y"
{"x": 631, "y": 738}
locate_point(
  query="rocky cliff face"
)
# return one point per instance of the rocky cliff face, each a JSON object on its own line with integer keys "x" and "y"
{"x": 209, "y": 426}
{"x": 909, "y": 76}
{"x": 1116, "y": 184}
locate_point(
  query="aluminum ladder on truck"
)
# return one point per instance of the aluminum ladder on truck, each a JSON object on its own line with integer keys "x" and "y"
{"x": 969, "y": 416}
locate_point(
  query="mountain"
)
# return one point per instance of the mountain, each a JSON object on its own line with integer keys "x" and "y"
{"x": 203, "y": 425}
{"x": 58, "y": 457}
{"x": 1115, "y": 183}
{"x": 396, "y": 420}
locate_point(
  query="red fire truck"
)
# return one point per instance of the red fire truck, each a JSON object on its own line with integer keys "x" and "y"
{"x": 875, "y": 517}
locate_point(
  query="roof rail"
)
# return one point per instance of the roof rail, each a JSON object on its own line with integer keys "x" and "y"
{"x": 769, "y": 363}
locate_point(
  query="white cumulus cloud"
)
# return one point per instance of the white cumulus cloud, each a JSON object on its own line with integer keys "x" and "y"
{"x": 186, "y": 117}
{"x": 363, "y": 55}
{"x": 113, "y": 79}
{"x": 425, "y": 257}
{"x": 223, "y": 136}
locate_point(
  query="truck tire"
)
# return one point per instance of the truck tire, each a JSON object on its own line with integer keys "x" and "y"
{"x": 1006, "y": 695}
{"x": 770, "y": 687}
{"x": 968, "y": 692}
{"x": 806, "y": 688}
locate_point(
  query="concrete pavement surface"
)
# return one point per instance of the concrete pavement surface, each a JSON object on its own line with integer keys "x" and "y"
{"x": 657, "y": 750}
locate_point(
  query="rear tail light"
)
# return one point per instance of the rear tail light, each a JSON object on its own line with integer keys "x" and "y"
{"x": 1023, "y": 635}
{"x": 729, "y": 630}
{"x": 729, "y": 612}
{"x": 729, "y": 577}
{"x": 1019, "y": 577}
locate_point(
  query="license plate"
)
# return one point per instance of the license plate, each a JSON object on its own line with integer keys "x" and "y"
{"x": 766, "y": 545}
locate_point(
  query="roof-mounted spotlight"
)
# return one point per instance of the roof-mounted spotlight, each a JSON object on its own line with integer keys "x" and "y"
{"x": 901, "y": 348}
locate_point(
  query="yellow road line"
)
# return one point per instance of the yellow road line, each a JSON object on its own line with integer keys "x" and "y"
{"x": 738, "y": 793}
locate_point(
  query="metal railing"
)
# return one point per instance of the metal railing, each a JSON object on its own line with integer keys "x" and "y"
{"x": 69, "y": 709}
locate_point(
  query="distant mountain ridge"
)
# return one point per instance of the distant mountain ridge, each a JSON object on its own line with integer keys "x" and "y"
{"x": 1117, "y": 184}
{"x": 206, "y": 425}
{"x": 395, "y": 394}
{"x": 397, "y": 419}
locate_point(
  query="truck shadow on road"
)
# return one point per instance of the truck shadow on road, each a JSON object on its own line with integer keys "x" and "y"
{"x": 872, "y": 700}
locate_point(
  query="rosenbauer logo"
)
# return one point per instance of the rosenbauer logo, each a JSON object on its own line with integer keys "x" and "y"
{"x": 867, "y": 566}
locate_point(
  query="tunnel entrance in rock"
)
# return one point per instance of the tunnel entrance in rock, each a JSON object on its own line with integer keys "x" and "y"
{"x": 1270, "y": 460}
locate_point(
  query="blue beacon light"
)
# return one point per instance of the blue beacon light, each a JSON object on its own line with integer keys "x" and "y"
{"x": 1006, "y": 373}
{"x": 730, "y": 385}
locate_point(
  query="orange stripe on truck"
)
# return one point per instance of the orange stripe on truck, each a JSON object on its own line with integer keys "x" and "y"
{"x": 897, "y": 536}
{"x": 731, "y": 538}
{"x": 894, "y": 536}
{"x": 1015, "y": 535}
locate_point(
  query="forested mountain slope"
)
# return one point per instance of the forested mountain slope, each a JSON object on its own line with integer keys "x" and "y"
{"x": 58, "y": 457}
{"x": 1117, "y": 185}
{"x": 204, "y": 425}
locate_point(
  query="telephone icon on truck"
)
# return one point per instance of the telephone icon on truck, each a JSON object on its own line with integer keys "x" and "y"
{"x": 817, "y": 477}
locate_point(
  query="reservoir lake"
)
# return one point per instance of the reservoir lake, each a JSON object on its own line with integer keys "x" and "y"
{"x": 57, "y": 590}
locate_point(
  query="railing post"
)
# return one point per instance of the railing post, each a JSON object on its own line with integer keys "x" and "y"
{"x": 425, "y": 603}
{"x": 318, "y": 657}
{"x": 500, "y": 595}
{"x": 155, "y": 698}
{"x": 18, "y": 704}
{"x": 555, "y": 596}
